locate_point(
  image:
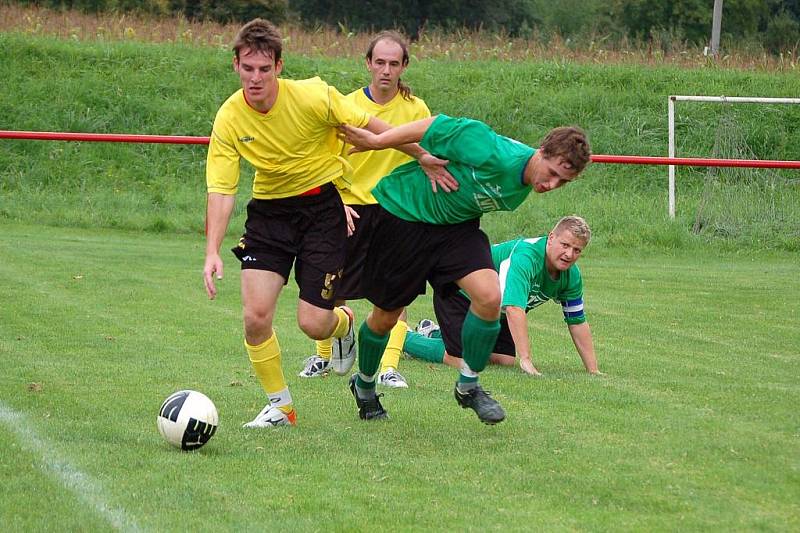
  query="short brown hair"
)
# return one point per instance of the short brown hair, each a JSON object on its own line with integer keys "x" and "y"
{"x": 575, "y": 225}
{"x": 259, "y": 35}
{"x": 569, "y": 142}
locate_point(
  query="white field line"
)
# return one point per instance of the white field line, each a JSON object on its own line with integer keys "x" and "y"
{"x": 83, "y": 486}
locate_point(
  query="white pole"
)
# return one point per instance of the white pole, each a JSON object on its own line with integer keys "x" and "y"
{"x": 671, "y": 120}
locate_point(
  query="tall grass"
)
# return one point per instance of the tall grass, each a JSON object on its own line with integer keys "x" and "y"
{"x": 132, "y": 87}
{"x": 663, "y": 48}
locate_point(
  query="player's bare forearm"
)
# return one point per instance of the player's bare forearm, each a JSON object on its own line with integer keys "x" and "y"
{"x": 399, "y": 136}
{"x": 218, "y": 213}
{"x": 518, "y": 326}
{"x": 582, "y": 338}
{"x": 379, "y": 135}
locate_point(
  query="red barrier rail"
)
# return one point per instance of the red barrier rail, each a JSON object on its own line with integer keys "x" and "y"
{"x": 614, "y": 159}
{"x": 102, "y": 137}
{"x": 693, "y": 161}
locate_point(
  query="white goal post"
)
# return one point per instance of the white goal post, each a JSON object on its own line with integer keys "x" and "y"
{"x": 716, "y": 99}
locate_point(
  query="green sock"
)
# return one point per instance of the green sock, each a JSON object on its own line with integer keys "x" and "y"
{"x": 478, "y": 337}
{"x": 370, "y": 350}
{"x": 422, "y": 347}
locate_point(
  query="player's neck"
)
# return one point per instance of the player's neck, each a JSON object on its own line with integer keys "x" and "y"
{"x": 382, "y": 95}
{"x": 264, "y": 105}
{"x": 530, "y": 169}
{"x": 552, "y": 271}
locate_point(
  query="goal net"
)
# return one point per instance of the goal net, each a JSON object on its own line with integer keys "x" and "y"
{"x": 744, "y": 203}
{"x": 759, "y": 203}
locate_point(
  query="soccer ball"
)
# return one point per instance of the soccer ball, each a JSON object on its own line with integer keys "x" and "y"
{"x": 187, "y": 419}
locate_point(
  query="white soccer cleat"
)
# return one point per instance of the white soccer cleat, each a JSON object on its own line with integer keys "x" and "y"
{"x": 315, "y": 367}
{"x": 271, "y": 417}
{"x": 343, "y": 353}
{"x": 426, "y": 327}
{"x": 394, "y": 379}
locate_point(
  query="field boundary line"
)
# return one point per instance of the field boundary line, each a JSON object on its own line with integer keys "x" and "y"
{"x": 81, "y": 484}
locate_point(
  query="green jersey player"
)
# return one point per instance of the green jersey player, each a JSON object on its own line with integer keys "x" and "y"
{"x": 422, "y": 237}
{"x": 531, "y": 272}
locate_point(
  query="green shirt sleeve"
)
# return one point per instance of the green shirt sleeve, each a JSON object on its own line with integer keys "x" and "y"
{"x": 460, "y": 139}
{"x": 571, "y": 298}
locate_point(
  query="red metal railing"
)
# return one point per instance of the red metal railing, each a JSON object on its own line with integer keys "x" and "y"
{"x": 182, "y": 139}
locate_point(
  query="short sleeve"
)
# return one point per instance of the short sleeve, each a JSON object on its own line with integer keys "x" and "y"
{"x": 342, "y": 110}
{"x": 516, "y": 273}
{"x": 222, "y": 162}
{"x": 460, "y": 139}
{"x": 571, "y": 298}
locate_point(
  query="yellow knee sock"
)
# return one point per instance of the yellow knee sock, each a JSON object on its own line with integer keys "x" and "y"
{"x": 343, "y": 325}
{"x": 266, "y": 361}
{"x": 391, "y": 355}
{"x": 324, "y": 348}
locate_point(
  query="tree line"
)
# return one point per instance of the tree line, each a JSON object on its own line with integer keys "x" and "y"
{"x": 771, "y": 24}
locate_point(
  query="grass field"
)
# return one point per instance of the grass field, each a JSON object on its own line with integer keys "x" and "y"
{"x": 694, "y": 426}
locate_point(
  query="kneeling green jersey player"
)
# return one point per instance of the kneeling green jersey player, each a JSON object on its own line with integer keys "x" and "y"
{"x": 531, "y": 272}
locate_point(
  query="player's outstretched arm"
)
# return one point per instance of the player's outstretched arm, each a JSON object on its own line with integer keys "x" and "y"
{"x": 379, "y": 135}
{"x": 218, "y": 213}
{"x": 582, "y": 338}
{"x": 518, "y": 325}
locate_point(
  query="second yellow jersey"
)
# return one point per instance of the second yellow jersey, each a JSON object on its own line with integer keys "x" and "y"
{"x": 370, "y": 167}
{"x": 293, "y": 147}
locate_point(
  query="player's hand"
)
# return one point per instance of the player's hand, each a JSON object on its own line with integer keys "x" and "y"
{"x": 437, "y": 172}
{"x": 350, "y": 214}
{"x": 213, "y": 266}
{"x": 361, "y": 139}
{"x": 526, "y": 365}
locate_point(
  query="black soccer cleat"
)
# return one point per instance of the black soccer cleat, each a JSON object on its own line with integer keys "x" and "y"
{"x": 368, "y": 409}
{"x": 488, "y": 410}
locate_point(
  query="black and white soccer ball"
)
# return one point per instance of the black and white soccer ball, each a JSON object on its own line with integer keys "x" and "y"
{"x": 187, "y": 419}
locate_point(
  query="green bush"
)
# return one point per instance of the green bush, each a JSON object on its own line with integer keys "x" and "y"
{"x": 783, "y": 33}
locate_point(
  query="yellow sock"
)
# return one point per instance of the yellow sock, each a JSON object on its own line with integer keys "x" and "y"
{"x": 391, "y": 355}
{"x": 324, "y": 348}
{"x": 266, "y": 361}
{"x": 343, "y": 325}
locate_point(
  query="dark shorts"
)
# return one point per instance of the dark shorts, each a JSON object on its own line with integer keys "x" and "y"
{"x": 450, "y": 313}
{"x": 309, "y": 231}
{"x": 357, "y": 245}
{"x": 404, "y": 255}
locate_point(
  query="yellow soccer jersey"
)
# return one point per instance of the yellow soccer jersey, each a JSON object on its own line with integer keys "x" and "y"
{"x": 293, "y": 147}
{"x": 370, "y": 167}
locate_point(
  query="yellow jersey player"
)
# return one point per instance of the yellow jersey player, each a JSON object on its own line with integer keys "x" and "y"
{"x": 287, "y": 130}
{"x": 391, "y": 100}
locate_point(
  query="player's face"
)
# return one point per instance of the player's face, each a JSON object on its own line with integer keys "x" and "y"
{"x": 563, "y": 249}
{"x": 386, "y": 65}
{"x": 258, "y": 73}
{"x": 551, "y": 173}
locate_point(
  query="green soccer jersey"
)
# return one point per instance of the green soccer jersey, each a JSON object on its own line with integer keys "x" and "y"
{"x": 488, "y": 166}
{"x": 525, "y": 282}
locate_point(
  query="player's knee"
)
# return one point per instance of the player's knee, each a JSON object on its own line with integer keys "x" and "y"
{"x": 486, "y": 304}
{"x": 257, "y": 320}
{"x": 381, "y": 322}
{"x": 314, "y": 329}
